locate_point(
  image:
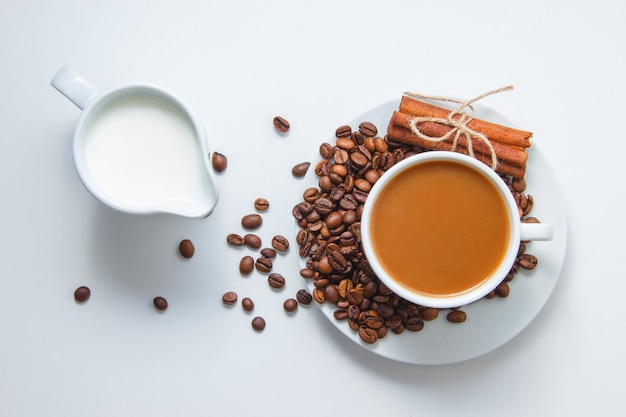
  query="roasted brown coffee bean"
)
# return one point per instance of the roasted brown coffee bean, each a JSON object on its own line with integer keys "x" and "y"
{"x": 258, "y": 323}
{"x": 326, "y": 150}
{"x": 358, "y": 159}
{"x": 343, "y": 131}
{"x": 246, "y": 265}
{"x": 234, "y": 239}
{"x": 261, "y": 204}
{"x": 430, "y": 314}
{"x": 345, "y": 144}
{"x": 518, "y": 185}
{"x": 252, "y": 241}
{"x": 160, "y": 303}
{"x": 414, "y": 324}
{"x": 290, "y": 305}
{"x": 251, "y": 221}
{"x": 299, "y": 170}
{"x": 304, "y": 297}
{"x": 368, "y": 129}
{"x": 457, "y": 316}
{"x": 323, "y": 206}
{"x": 263, "y": 265}
{"x": 319, "y": 295}
{"x": 340, "y": 314}
{"x": 247, "y": 304}
{"x": 502, "y": 290}
{"x": 393, "y": 322}
{"x": 281, "y": 124}
{"x": 268, "y": 253}
{"x": 332, "y": 294}
{"x": 325, "y": 184}
{"x": 186, "y": 249}
{"x": 219, "y": 161}
{"x": 276, "y": 280}
{"x": 229, "y": 298}
{"x": 380, "y": 145}
{"x": 527, "y": 261}
{"x": 280, "y": 243}
{"x": 307, "y": 273}
{"x": 82, "y": 294}
{"x": 368, "y": 335}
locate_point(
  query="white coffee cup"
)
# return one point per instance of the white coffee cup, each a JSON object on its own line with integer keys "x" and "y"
{"x": 518, "y": 231}
{"x": 140, "y": 149}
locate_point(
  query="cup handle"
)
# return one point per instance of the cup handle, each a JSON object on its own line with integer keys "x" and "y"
{"x": 536, "y": 231}
{"x": 69, "y": 83}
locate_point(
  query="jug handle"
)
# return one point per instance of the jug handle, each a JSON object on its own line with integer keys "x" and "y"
{"x": 69, "y": 83}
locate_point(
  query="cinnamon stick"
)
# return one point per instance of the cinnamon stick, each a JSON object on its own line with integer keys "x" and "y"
{"x": 397, "y": 133}
{"x": 506, "y": 153}
{"x": 494, "y": 132}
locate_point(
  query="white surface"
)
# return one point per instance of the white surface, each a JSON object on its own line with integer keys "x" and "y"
{"x": 317, "y": 64}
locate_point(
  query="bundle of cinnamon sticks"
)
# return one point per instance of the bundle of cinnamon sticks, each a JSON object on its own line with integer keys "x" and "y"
{"x": 509, "y": 144}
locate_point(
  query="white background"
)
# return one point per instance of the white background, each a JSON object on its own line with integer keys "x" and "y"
{"x": 319, "y": 64}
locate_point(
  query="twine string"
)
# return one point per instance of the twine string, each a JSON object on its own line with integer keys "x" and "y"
{"x": 459, "y": 125}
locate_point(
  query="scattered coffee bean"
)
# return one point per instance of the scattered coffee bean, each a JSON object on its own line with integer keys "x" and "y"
{"x": 246, "y": 265}
{"x": 527, "y": 261}
{"x": 160, "y": 303}
{"x": 229, "y": 298}
{"x": 247, "y": 304}
{"x": 281, "y": 124}
{"x": 343, "y": 131}
{"x": 263, "y": 265}
{"x": 502, "y": 290}
{"x": 219, "y": 162}
{"x": 304, "y": 297}
{"x": 299, "y": 170}
{"x": 186, "y": 249}
{"x": 276, "y": 280}
{"x": 258, "y": 323}
{"x": 368, "y": 335}
{"x": 430, "y": 314}
{"x": 326, "y": 150}
{"x": 290, "y": 305}
{"x": 82, "y": 294}
{"x": 280, "y": 243}
{"x": 268, "y": 253}
{"x": 261, "y": 204}
{"x": 252, "y": 241}
{"x": 456, "y": 316}
{"x": 251, "y": 221}
{"x": 368, "y": 129}
{"x": 234, "y": 239}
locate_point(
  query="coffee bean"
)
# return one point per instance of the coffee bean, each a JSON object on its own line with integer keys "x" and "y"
{"x": 160, "y": 303}
{"x": 186, "y": 249}
{"x": 263, "y": 265}
{"x": 368, "y": 129}
{"x": 247, "y": 304}
{"x": 258, "y": 323}
{"x": 234, "y": 239}
{"x": 319, "y": 295}
{"x": 246, "y": 265}
{"x": 343, "y": 131}
{"x": 340, "y": 314}
{"x": 268, "y": 253}
{"x": 299, "y": 170}
{"x": 252, "y": 241}
{"x": 290, "y": 305}
{"x": 276, "y": 280}
{"x": 251, "y": 221}
{"x": 281, "y": 124}
{"x": 368, "y": 335}
{"x": 414, "y": 324}
{"x": 527, "y": 261}
{"x": 430, "y": 314}
{"x": 261, "y": 204}
{"x": 219, "y": 161}
{"x": 502, "y": 290}
{"x": 326, "y": 150}
{"x": 280, "y": 243}
{"x": 82, "y": 294}
{"x": 344, "y": 144}
{"x": 229, "y": 298}
{"x": 457, "y": 316}
{"x": 304, "y": 297}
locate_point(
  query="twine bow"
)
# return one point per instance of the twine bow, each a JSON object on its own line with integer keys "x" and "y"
{"x": 459, "y": 125}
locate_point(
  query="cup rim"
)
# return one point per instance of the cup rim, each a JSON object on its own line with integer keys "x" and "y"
{"x": 458, "y": 299}
{"x": 199, "y": 209}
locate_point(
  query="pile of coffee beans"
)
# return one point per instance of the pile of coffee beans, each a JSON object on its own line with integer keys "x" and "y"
{"x": 330, "y": 236}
